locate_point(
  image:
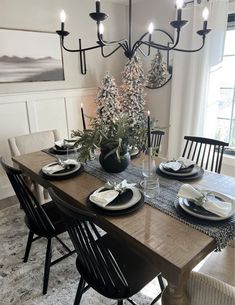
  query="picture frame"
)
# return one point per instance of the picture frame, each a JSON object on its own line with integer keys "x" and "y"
{"x": 30, "y": 56}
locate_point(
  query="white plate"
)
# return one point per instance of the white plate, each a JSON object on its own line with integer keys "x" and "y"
{"x": 194, "y": 171}
{"x": 199, "y": 212}
{"x": 134, "y": 199}
{"x": 69, "y": 172}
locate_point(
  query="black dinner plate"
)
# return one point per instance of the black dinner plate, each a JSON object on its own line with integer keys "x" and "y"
{"x": 124, "y": 198}
{"x": 60, "y": 151}
{"x": 74, "y": 174}
{"x": 198, "y": 175}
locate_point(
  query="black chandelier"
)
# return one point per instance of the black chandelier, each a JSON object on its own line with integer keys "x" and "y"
{"x": 128, "y": 47}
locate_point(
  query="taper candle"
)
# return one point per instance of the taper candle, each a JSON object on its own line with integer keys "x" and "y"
{"x": 149, "y": 130}
{"x": 83, "y": 118}
{"x": 97, "y": 6}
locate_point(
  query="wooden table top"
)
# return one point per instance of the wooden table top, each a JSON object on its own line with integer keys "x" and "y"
{"x": 170, "y": 244}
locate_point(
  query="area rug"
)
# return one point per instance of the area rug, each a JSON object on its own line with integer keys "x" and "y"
{"x": 21, "y": 283}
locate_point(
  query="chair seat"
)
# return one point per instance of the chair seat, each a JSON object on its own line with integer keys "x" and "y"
{"x": 137, "y": 270}
{"x": 54, "y": 216}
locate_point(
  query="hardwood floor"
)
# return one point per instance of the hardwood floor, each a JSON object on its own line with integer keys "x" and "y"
{"x": 8, "y": 202}
{"x": 220, "y": 265}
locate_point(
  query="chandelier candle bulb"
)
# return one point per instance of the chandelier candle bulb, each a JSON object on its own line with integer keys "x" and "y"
{"x": 101, "y": 29}
{"x": 62, "y": 19}
{"x": 97, "y": 5}
{"x": 179, "y": 5}
{"x": 150, "y": 30}
{"x": 149, "y": 130}
{"x": 205, "y": 15}
{"x": 83, "y": 118}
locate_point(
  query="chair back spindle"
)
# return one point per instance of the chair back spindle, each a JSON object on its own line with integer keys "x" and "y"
{"x": 208, "y": 153}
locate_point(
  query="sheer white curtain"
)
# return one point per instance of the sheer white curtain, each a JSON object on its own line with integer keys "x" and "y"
{"x": 191, "y": 72}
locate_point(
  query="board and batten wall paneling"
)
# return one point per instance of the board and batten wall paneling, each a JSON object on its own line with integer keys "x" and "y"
{"x": 13, "y": 122}
{"x": 25, "y": 113}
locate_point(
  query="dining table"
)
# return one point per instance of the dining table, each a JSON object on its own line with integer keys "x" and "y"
{"x": 174, "y": 247}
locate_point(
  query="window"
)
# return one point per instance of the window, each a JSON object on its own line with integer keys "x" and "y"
{"x": 220, "y": 119}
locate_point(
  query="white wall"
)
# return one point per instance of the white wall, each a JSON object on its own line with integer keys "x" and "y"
{"x": 43, "y": 15}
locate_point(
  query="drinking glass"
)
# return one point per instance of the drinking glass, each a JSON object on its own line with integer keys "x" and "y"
{"x": 151, "y": 187}
{"x": 148, "y": 166}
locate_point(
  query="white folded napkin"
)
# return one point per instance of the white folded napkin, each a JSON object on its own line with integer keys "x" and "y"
{"x": 59, "y": 143}
{"x": 114, "y": 189}
{"x": 103, "y": 198}
{"x": 178, "y": 164}
{"x": 222, "y": 209}
{"x": 53, "y": 169}
{"x": 65, "y": 143}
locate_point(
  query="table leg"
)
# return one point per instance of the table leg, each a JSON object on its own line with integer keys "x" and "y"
{"x": 175, "y": 294}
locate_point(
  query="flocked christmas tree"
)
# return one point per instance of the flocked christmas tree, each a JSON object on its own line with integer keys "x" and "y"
{"x": 107, "y": 102}
{"x": 132, "y": 100}
{"x": 158, "y": 74}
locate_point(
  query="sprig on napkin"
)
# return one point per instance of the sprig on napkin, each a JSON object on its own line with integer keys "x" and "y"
{"x": 119, "y": 187}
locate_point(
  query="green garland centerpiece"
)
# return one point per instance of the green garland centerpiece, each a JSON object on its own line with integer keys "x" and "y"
{"x": 114, "y": 140}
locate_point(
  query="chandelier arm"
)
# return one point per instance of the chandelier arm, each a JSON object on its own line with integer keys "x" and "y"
{"x": 156, "y": 45}
{"x": 78, "y": 50}
{"x": 111, "y": 53}
{"x": 175, "y": 49}
{"x": 109, "y": 43}
{"x": 143, "y": 53}
{"x": 192, "y": 51}
{"x": 137, "y": 43}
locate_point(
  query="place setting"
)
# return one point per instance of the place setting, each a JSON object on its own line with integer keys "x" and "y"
{"x": 62, "y": 168}
{"x": 180, "y": 169}
{"x": 115, "y": 199}
{"x": 62, "y": 147}
{"x": 204, "y": 204}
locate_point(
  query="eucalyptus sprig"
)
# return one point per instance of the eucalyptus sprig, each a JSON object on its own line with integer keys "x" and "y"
{"x": 116, "y": 137}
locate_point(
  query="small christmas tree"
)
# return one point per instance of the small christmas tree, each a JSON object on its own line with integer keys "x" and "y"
{"x": 158, "y": 74}
{"x": 107, "y": 102}
{"x": 132, "y": 100}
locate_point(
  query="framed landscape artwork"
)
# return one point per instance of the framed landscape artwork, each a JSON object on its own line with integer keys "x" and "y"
{"x": 30, "y": 56}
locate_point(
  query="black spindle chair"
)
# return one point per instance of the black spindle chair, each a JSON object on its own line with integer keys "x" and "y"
{"x": 42, "y": 220}
{"x": 106, "y": 264}
{"x": 207, "y": 153}
{"x": 156, "y": 138}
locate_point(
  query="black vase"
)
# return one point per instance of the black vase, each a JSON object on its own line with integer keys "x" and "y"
{"x": 112, "y": 164}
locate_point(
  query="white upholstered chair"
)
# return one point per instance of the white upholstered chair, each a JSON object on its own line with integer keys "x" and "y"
{"x": 30, "y": 143}
{"x": 206, "y": 290}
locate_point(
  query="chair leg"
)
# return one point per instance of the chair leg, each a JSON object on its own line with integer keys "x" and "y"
{"x": 28, "y": 246}
{"x": 79, "y": 293}
{"x": 161, "y": 283}
{"x": 120, "y": 302}
{"x": 47, "y": 266}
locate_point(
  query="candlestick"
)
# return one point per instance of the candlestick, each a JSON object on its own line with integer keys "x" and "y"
{"x": 149, "y": 130}
{"x": 83, "y": 118}
{"x": 205, "y": 15}
{"x": 97, "y": 5}
{"x": 62, "y": 19}
{"x": 179, "y": 5}
{"x": 150, "y": 30}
